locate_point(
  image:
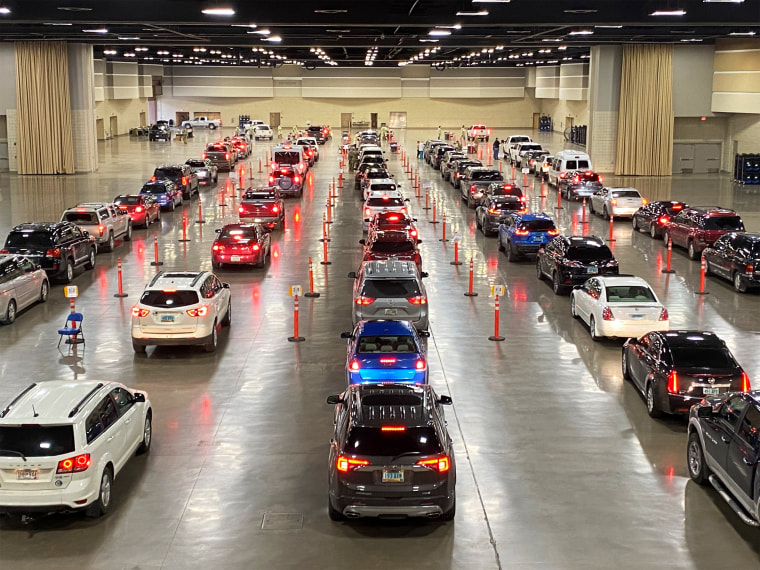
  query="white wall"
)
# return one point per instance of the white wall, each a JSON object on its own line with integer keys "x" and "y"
{"x": 692, "y": 81}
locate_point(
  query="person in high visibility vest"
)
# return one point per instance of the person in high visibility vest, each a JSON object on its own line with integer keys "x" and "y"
{"x": 383, "y": 134}
{"x": 439, "y": 132}
{"x": 279, "y": 131}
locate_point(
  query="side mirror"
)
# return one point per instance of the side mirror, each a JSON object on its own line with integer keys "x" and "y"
{"x": 445, "y": 400}
{"x": 424, "y": 274}
{"x": 334, "y": 399}
{"x": 419, "y": 241}
{"x": 704, "y": 412}
{"x": 363, "y": 241}
{"x": 414, "y": 219}
{"x": 352, "y": 275}
{"x": 225, "y": 285}
{"x": 139, "y": 397}
{"x": 346, "y": 335}
{"x": 218, "y": 230}
{"x": 424, "y": 334}
{"x": 85, "y": 233}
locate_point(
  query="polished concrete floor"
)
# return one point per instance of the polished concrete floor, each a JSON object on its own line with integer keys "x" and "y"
{"x": 559, "y": 465}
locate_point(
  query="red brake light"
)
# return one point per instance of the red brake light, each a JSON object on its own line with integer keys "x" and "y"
{"x": 52, "y": 253}
{"x": 644, "y": 201}
{"x": 217, "y": 247}
{"x": 199, "y": 312}
{"x": 664, "y": 314}
{"x": 417, "y": 300}
{"x": 522, "y": 232}
{"x": 138, "y": 209}
{"x": 184, "y": 180}
{"x": 601, "y": 179}
{"x": 271, "y": 179}
{"x": 346, "y": 464}
{"x": 275, "y": 209}
{"x": 563, "y": 175}
{"x": 678, "y": 206}
{"x": 255, "y": 247}
{"x": 152, "y": 178}
{"x": 393, "y": 428}
{"x": 746, "y": 386}
{"x": 494, "y": 211}
{"x": 440, "y": 464}
{"x": 365, "y": 300}
{"x": 101, "y": 229}
{"x": 297, "y": 179}
{"x": 553, "y": 232}
{"x": 393, "y": 218}
{"x": 607, "y": 314}
{"x": 367, "y": 211}
{"x": 354, "y": 365}
{"x": 203, "y": 156}
{"x": 472, "y": 189}
{"x": 5, "y": 251}
{"x": 387, "y": 360}
{"x": 241, "y": 210}
{"x": 75, "y": 464}
{"x": 576, "y": 179}
{"x": 284, "y": 170}
{"x": 673, "y": 382}
{"x": 613, "y": 201}
{"x": 419, "y": 365}
{"x": 413, "y": 233}
{"x": 226, "y": 155}
{"x": 662, "y": 220}
{"x": 138, "y": 312}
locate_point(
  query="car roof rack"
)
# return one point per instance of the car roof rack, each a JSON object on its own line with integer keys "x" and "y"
{"x": 84, "y": 400}
{"x": 16, "y": 399}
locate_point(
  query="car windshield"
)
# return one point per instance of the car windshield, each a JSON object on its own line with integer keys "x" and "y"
{"x": 128, "y": 200}
{"x": 588, "y": 177}
{"x": 630, "y": 294}
{"x": 196, "y": 163}
{"x": 393, "y": 246}
{"x": 381, "y": 187}
{"x": 169, "y": 299}
{"x": 507, "y": 203}
{"x": 372, "y": 344}
{"x": 287, "y": 156}
{"x": 375, "y": 441}
{"x": 700, "y": 356}
{"x": 724, "y": 223}
{"x": 167, "y": 173}
{"x": 502, "y": 191}
{"x": 36, "y": 440}
{"x": 216, "y": 148}
{"x": 537, "y": 225}
{"x": 390, "y": 288}
{"x": 154, "y": 189}
{"x": 377, "y": 174}
{"x": 28, "y": 240}
{"x": 81, "y": 217}
{"x": 258, "y": 195}
{"x": 625, "y": 194}
{"x": 487, "y": 175}
{"x": 385, "y": 202}
{"x": 588, "y": 254}
{"x": 238, "y": 233}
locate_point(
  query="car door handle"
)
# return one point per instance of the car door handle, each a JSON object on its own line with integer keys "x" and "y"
{"x": 128, "y": 421}
{"x": 110, "y": 438}
{"x": 725, "y": 439}
{"x": 748, "y": 461}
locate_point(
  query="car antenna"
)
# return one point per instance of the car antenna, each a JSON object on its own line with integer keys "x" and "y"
{"x": 36, "y": 415}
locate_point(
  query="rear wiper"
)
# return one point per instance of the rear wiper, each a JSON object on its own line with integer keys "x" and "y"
{"x": 405, "y": 454}
{"x": 13, "y": 452}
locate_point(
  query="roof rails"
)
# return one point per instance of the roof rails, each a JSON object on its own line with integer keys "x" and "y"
{"x": 84, "y": 400}
{"x": 16, "y": 399}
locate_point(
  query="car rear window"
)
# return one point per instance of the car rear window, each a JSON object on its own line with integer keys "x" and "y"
{"x": 169, "y": 299}
{"x": 196, "y": 163}
{"x": 393, "y": 246}
{"x": 374, "y": 441}
{"x": 81, "y": 217}
{"x": 261, "y": 127}
{"x": 724, "y": 223}
{"x": 128, "y": 200}
{"x": 377, "y": 174}
{"x": 510, "y": 191}
{"x": 29, "y": 240}
{"x": 167, "y": 173}
{"x": 381, "y": 187}
{"x": 216, "y": 148}
{"x": 630, "y": 294}
{"x": 487, "y": 175}
{"x": 371, "y": 344}
{"x": 587, "y": 254}
{"x": 154, "y": 189}
{"x": 258, "y": 195}
{"x": 537, "y": 225}
{"x": 700, "y": 356}
{"x": 36, "y": 440}
{"x": 588, "y": 176}
{"x": 507, "y": 203}
{"x": 515, "y": 140}
{"x": 385, "y": 202}
{"x": 287, "y": 157}
{"x": 390, "y": 288}
{"x": 625, "y": 194}
{"x": 238, "y": 233}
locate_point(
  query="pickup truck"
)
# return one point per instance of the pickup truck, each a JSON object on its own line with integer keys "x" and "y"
{"x": 517, "y": 151}
{"x": 724, "y": 449}
{"x": 263, "y": 206}
{"x": 478, "y": 133}
{"x": 203, "y": 122}
{"x": 512, "y": 142}
{"x": 104, "y": 222}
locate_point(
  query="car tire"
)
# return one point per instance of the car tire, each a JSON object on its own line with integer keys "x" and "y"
{"x": 212, "y": 127}
{"x": 213, "y": 341}
{"x": 624, "y": 365}
{"x": 173, "y": 206}
{"x": 695, "y": 460}
{"x": 128, "y": 235}
{"x": 139, "y": 348}
{"x": 606, "y": 214}
{"x": 573, "y": 310}
{"x": 103, "y": 503}
{"x": 69, "y": 275}
{"x": 144, "y": 446}
{"x": 501, "y": 244}
{"x": 556, "y": 285}
{"x": 216, "y": 179}
{"x": 512, "y": 256}
{"x": 158, "y": 216}
{"x": 652, "y": 231}
{"x": 634, "y": 224}
{"x": 109, "y": 245}
{"x": 693, "y": 253}
{"x": 333, "y": 513}
{"x": 539, "y": 273}
{"x": 451, "y": 513}
{"x": 739, "y": 285}
{"x": 665, "y": 238}
{"x": 216, "y": 264}
{"x": 652, "y": 409}
{"x": 10, "y": 313}
{"x": 591, "y": 207}
{"x": 44, "y": 292}
{"x": 227, "y": 320}
{"x": 477, "y": 223}
{"x": 592, "y": 329}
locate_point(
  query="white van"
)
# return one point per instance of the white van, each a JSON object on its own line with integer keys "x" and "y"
{"x": 290, "y": 155}
{"x": 566, "y": 161}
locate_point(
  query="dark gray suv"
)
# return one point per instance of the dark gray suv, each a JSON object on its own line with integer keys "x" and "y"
{"x": 390, "y": 454}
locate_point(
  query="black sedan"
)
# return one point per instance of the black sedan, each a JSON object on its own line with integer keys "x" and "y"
{"x": 570, "y": 260}
{"x": 676, "y": 369}
{"x": 655, "y": 216}
{"x": 736, "y": 257}
{"x": 493, "y": 210}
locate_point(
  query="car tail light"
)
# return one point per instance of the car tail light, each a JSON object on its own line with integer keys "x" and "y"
{"x": 522, "y": 232}
{"x": 746, "y": 386}
{"x": 53, "y": 253}
{"x": 393, "y": 218}
{"x": 440, "y": 464}
{"x": 601, "y": 179}
{"x": 75, "y": 464}
{"x": 226, "y": 155}
{"x": 494, "y": 211}
{"x": 271, "y": 179}
{"x": 413, "y": 233}
{"x": 6, "y": 251}
{"x": 678, "y": 206}
{"x": 364, "y": 300}
{"x": 673, "y": 382}
{"x": 201, "y": 311}
{"x": 101, "y": 229}
{"x": 458, "y": 175}
{"x": 607, "y": 314}
{"x": 576, "y": 179}
{"x": 184, "y": 180}
{"x": 563, "y": 175}
{"x": 241, "y": 210}
{"x": 345, "y": 464}
{"x": 152, "y": 178}
{"x": 275, "y": 209}
{"x": 417, "y": 300}
{"x": 217, "y": 247}
{"x": 138, "y": 209}
{"x": 531, "y": 162}
{"x": 138, "y": 312}
{"x": 354, "y": 365}
{"x": 255, "y": 247}
{"x": 403, "y": 210}
{"x": 613, "y": 201}
{"x": 473, "y": 189}
{"x": 297, "y": 179}
{"x": 644, "y": 201}
{"x": 367, "y": 211}
{"x": 387, "y": 360}
{"x": 393, "y": 428}
{"x": 420, "y": 365}
{"x": 664, "y": 314}
{"x": 553, "y": 232}
{"x": 203, "y": 156}
{"x": 662, "y": 220}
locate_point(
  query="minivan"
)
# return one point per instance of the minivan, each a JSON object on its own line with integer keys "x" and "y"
{"x": 566, "y": 162}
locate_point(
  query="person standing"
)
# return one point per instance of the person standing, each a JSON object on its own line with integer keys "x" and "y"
{"x": 440, "y": 132}
{"x": 383, "y": 133}
{"x": 420, "y": 149}
{"x": 353, "y": 158}
{"x": 463, "y": 134}
{"x": 279, "y": 131}
{"x": 496, "y": 144}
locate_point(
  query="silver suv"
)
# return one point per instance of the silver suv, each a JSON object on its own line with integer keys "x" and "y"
{"x": 390, "y": 290}
{"x": 104, "y": 222}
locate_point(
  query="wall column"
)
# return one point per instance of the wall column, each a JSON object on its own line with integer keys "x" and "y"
{"x": 82, "y": 97}
{"x": 604, "y": 105}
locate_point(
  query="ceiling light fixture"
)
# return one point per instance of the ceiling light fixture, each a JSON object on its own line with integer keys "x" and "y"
{"x": 57, "y": 24}
{"x": 668, "y": 13}
{"x": 4, "y": 10}
{"x": 454, "y": 27}
{"x": 96, "y": 31}
{"x": 261, "y": 32}
{"x": 610, "y": 27}
{"x": 129, "y": 37}
{"x": 218, "y": 11}
{"x": 582, "y": 33}
{"x": 428, "y": 40}
{"x": 751, "y": 33}
{"x": 74, "y": 9}
{"x": 580, "y": 11}
{"x": 439, "y": 33}
{"x": 491, "y": 1}
{"x": 244, "y": 25}
{"x": 478, "y": 13}
{"x": 276, "y": 39}
{"x": 330, "y": 11}
{"x": 551, "y": 40}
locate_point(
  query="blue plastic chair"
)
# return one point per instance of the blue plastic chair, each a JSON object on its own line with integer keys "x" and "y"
{"x": 72, "y": 329}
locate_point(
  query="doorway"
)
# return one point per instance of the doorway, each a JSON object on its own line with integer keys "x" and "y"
{"x": 536, "y": 120}
{"x": 152, "y": 111}
{"x": 274, "y": 120}
{"x": 373, "y": 121}
{"x": 345, "y": 121}
{"x": 114, "y": 125}
{"x": 142, "y": 119}
{"x": 568, "y": 122}
{"x": 181, "y": 116}
{"x": 100, "y": 129}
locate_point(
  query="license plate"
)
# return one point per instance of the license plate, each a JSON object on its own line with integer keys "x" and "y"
{"x": 536, "y": 238}
{"x": 234, "y": 258}
{"x": 637, "y": 316}
{"x": 393, "y": 476}
{"x": 592, "y": 270}
{"x": 257, "y": 219}
{"x": 390, "y": 312}
{"x": 31, "y": 474}
{"x": 710, "y": 391}
{"x": 167, "y": 318}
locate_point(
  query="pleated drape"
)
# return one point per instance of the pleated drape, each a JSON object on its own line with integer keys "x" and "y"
{"x": 43, "y": 108}
{"x": 645, "y": 121}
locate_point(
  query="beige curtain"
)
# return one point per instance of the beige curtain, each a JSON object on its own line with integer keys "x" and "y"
{"x": 645, "y": 121}
{"x": 44, "y": 137}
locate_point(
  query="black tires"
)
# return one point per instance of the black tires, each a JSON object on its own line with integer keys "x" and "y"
{"x": 128, "y": 235}
{"x": 144, "y": 446}
{"x": 227, "y": 320}
{"x": 69, "y": 273}
{"x": 213, "y": 339}
{"x": 695, "y": 460}
{"x": 139, "y": 348}
{"x": 333, "y": 513}
{"x": 451, "y": 513}
{"x": 109, "y": 245}
{"x": 90, "y": 260}
{"x": 556, "y": 285}
{"x": 693, "y": 252}
{"x": 103, "y": 504}
{"x": 653, "y": 408}
{"x": 739, "y": 284}
{"x": 44, "y": 292}
{"x": 10, "y": 313}
{"x": 592, "y": 329}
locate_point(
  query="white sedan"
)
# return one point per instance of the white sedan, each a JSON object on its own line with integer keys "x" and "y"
{"x": 618, "y": 306}
{"x": 620, "y": 202}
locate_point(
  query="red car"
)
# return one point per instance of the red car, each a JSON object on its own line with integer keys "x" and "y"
{"x": 383, "y": 221}
{"x": 143, "y": 209}
{"x": 696, "y": 228}
{"x": 385, "y": 244}
{"x": 263, "y": 206}
{"x": 241, "y": 244}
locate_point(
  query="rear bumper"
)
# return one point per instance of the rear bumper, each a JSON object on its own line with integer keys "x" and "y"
{"x": 412, "y": 507}
{"x": 628, "y": 329}
{"x": 241, "y": 259}
{"x": 527, "y": 247}
{"x": 199, "y": 336}
{"x": 622, "y": 212}
{"x": 581, "y": 192}
{"x": 78, "y": 494}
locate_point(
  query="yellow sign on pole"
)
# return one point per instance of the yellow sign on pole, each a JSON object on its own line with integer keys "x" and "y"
{"x": 71, "y": 291}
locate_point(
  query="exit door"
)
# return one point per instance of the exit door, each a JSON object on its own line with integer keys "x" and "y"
{"x": 114, "y": 127}
{"x": 373, "y": 121}
{"x": 274, "y": 120}
{"x": 181, "y": 116}
{"x": 345, "y": 121}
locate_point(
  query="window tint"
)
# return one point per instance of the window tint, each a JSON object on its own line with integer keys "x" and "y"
{"x": 537, "y": 225}
{"x": 630, "y": 294}
{"x": 371, "y": 344}
{"x": 588, "y": 254}
{"x": 101, "y": 418}
{"x": 699, "y": 356}
{"x": 169, "y": 299}
{"x": 390, "y": 288}
{"x": 260, "y": 195}
{"x": 86, "y": 218}
{"x": 36, "y": 441}
{"x": 583, "y": 164}
{"x": 724, "y": 223}
{"x": 750, "y": 426}
{"x": 487, "y": 175}
{"x": 385, "y": 202}
{"x": 374, "y": 441}
{"x": 128, "y": 200}
{"x": 626, "y": 194}
{"x": 732, "y": 409}
{"x": 154, "y": 189}
{"x": 123, "y": 399}
{"x": 393, "y": 247}
{"x": 571, "y": 165}
{"x": 167, "y": 173}
{"x": 9, "y": 271}
{"x": 287, "y": 156}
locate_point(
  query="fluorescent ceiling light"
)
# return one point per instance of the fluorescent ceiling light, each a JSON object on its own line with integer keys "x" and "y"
{"x": 551, "y": 40}
{"x": 5, "y": 10}
{"x": 439, "y": 33}
{"x": 723, "y": 1}
{"x": 454, "y": 27}
{"x": 427, "y": 40}
{"x": 582, "y": 33}
{"x": 491, "y": 1}
{"x": 668, "y": 13}
{"x": 262, "y": 32}
{"x": 611, "y": 27}
{"x": 479, "y": 13}
{"x": 273, "y": 39}
{"x": 57, "y": 24}
{"x": 244, "y": 25}
{"x": 218, "y": 11}
{"x": 742, "y": 34}
{"x": 97, "y": 31}
{"x": 129, "y": 37}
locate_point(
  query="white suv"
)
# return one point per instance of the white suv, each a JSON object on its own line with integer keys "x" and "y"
{"x": 181, "y": 308}
{"x": 63, "y": 443}
{"x": 383, "y": 201}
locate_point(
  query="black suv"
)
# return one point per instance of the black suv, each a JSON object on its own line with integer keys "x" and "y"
{"x": 160, "y": 131}
{"x": 493, "y": 210}
{"x": 724, "y": 449}
{"x": 59, "y": 247}
{"x": 736, "y": 257}
{"x": 390, "y": 455}
{"x": 183, "y": 176}
{"x": 437, "y": 155}
{"x": 570, "y": 260}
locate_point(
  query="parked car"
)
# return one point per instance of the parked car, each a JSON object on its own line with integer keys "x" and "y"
{"x": 492, "y": 211}
{"x": 183, "y": 176}
{"x": 736, "y": 257}
{"x": 533, "y": 157}
{"x": 518, "y": 151}
{"x": 105, "y": 222}
{"x": 22, "y": 283}
{"x": 203, "y": 122}
{"x": 512, "y": 141}
{"x": 618, "y": 306}
{"x": 580, "y": 184}
{"x": 379, "y": 185}
{"x": 364, "y": 167}
{"x": 723, "y": 449}
{"x": 448, "y": 161}
{"x": 617, "y": 202}
{"x": 390, "y": 289}
{"x": 319, "y": 132}
{"x": 502, "y": 189}
{"x": 523, "y": 234}
{"x": 206, "y": 171}
{"x": 429, "y": 147}
{"x": 475, "y": 180}
{"x": 676, "y": 369}
{"x": 63, "y": 443}
{"x": 697, "y": 228}
{"x": 437, "y": 155}
{"x": 143, "y": 209}
{"x": 263, "y": 206}
{"x": 394, "y": 221}
{"x": 570, "y": 260}
{"x": 181, "y": 308}
{"x": 160, "y": 132}
{"x": 241, "y": 244}
{"x": 287, "y": 179}
{"x": 541, "y": 167}
{"x": 391, "y": 455}
{"x": 242, "y": 146}
{"x": 387, "y": 244}
{"x": 655, "y": 216}
{"x": 59, "y": 247}
{"x": 385, "y": 351}
{"x": 565, "y": 162}
{"x": 165, "y": 192}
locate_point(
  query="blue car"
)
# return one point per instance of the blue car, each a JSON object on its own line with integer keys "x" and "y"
{"x": 523, "y": 234}
{"x": 385, "y": 351}
{"x": 167, "y": 194}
